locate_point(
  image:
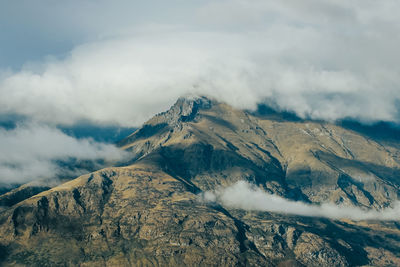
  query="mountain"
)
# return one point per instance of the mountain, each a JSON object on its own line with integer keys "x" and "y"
{"x": 148, "y": 212}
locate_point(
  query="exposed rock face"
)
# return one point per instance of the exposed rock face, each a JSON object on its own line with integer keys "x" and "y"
{"x": 185, "y": 110}
{"x": 148, "y": 213}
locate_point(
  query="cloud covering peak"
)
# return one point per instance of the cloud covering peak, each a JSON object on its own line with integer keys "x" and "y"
{"x": 321, "y": 59}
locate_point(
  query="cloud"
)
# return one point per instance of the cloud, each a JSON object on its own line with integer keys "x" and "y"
{"x": 34, "y": 151}
{"x": 321, "y": 59}
{"x": 243, "y": 195}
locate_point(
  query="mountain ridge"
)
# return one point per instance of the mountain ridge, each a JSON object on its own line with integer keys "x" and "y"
{"x": 147, "y": 212}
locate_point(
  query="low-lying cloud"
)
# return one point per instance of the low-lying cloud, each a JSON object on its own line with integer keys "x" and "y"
{"x": 32, "y": 151}
{"x": 243, "y": 195}
{"x": 320, "y": 59}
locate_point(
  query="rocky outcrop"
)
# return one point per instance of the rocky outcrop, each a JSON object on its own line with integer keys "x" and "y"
{"x": 185, "y": 110}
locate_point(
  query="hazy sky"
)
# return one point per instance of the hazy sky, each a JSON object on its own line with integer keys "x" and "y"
{"x": 119, "y": 62}
{"x": 33, "y": 30}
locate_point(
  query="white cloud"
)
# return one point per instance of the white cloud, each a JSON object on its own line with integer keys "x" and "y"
{"x": 29, "y": 152}
{"x": 243, "y": 195}
{"x": 321, "y": 59}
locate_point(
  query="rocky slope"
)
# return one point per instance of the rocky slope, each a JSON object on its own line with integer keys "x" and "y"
{"x": 148, "y": 213}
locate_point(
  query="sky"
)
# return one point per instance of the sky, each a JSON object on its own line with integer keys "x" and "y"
{"x": 120, "y": 62}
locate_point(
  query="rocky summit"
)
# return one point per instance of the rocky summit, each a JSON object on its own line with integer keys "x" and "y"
{"x": 147, "y": 211}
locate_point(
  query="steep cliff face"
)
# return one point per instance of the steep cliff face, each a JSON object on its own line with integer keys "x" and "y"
{"x": 148, "y": 212}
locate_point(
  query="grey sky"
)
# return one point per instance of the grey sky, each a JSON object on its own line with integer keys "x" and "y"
{"x": 32, "y": 30}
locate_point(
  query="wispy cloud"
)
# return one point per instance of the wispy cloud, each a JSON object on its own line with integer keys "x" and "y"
{"x": 243, "y": 195}
{"x": 32, "y": 151}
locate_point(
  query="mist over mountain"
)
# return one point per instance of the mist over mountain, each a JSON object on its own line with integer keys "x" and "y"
{"x": 35, "y": 152}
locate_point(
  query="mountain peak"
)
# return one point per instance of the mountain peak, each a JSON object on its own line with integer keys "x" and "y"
{"x": 186, "y": 108}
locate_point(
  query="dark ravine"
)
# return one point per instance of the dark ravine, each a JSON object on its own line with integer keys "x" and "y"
{"x": 148, "y": 213}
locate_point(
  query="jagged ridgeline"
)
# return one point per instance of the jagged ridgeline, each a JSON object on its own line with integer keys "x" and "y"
{"x": 147, "y": 211}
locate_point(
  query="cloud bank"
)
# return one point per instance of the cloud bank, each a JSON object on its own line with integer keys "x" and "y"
{"x": 243, "y": 195}
{"x": 31, "y": 152}
{"x": 321, "y": 59}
